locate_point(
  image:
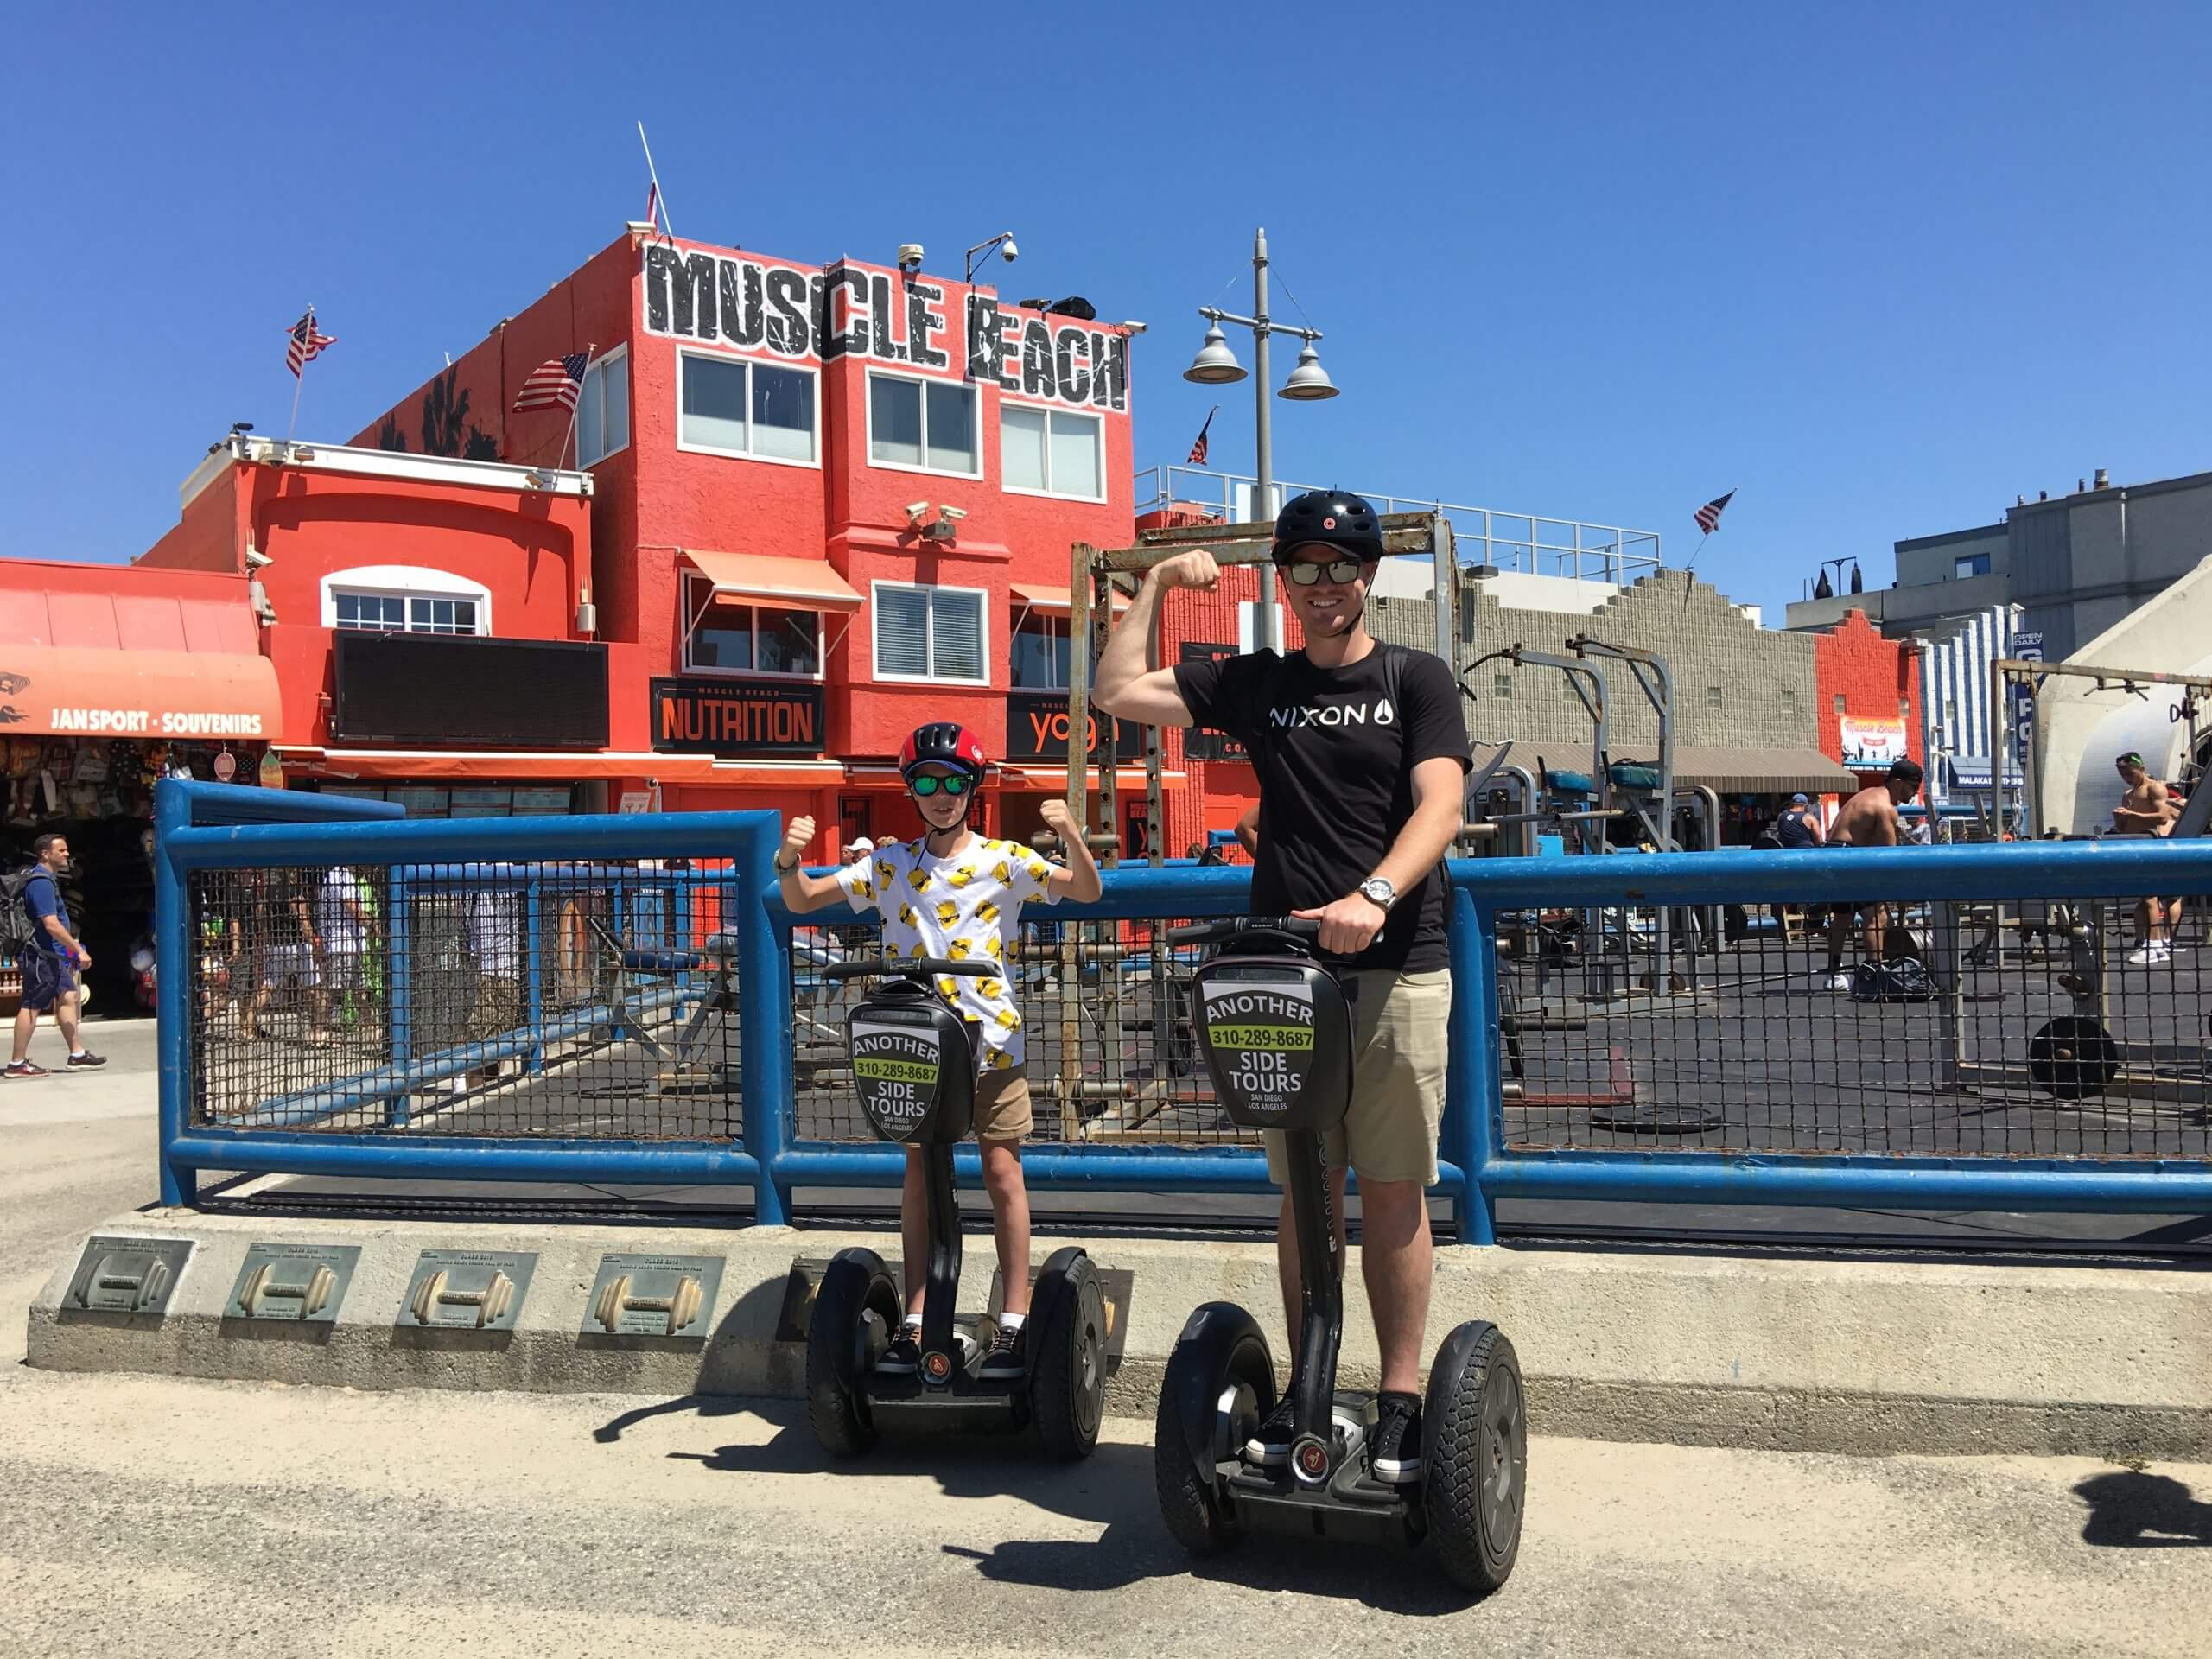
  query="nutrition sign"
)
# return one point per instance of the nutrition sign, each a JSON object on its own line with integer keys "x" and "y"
{"x": 735, "y": 717}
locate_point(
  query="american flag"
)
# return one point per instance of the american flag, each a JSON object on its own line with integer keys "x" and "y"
{"x": 1708, "y": 516}
{"x": 1198, "y": 448}
{"x": 306, "y": 344}
{"x": 653, "y": 204}
{"x": 555, "y": 383}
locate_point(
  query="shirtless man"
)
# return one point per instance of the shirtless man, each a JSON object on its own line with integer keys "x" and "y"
{"x": 2146, "y": 809}
{"x": 1868, "y": 819}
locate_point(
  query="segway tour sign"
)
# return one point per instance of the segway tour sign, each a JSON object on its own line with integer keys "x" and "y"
{"x": 1260, "y": 1037}
{"x": 896, "y": 1068}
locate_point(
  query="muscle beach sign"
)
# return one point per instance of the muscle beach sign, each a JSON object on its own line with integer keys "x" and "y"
{"x": 805, "y": 315}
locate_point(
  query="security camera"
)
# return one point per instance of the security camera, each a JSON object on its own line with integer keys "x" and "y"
{"x": 258, "y": 560}
{"x": 915, "y": 510}
{"x": 909, "y": 256}
{"x": 954, "y": 514}
{"x": 1009, "y": 253}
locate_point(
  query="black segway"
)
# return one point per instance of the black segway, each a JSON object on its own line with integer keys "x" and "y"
{"x": 1276, "y": 1033}
{"x": 914, "y": 1069}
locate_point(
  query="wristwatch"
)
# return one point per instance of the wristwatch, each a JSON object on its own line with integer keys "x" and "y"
{"x": 777, "y": 865}
{"x": 1378, "y": 893}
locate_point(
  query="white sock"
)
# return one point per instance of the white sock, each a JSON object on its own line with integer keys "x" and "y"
{"x": 911, "y": 1325}
{"x": 1012, "y": 1321}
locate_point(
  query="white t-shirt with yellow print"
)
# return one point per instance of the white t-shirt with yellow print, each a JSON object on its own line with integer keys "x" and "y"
{"x": 964, "y": 907}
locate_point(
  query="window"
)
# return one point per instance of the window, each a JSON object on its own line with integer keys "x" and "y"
{"x": 1040, "y": 653}
{"x": 922, "y": 426}
{"x": 603, "y": 408}
{"x": 930, "y": 633}
{"x": 404, "y": 599}
{"x": 1712, "y": 697}
{"x": 1976, "y": 566}
{"x": 728, "y": 406}
{"x": 736, "y": 639}
{"x": 1501, "y": 686}
{"x": 1788, "y": 700}
{"x": 1950, "y": 717}
{"x": 1905, "y": 708}
{"x": 1045, "y": 452}
{"x": 1839, "y": 703}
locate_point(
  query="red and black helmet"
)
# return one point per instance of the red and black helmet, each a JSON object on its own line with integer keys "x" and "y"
{"x": 944, "y": 743}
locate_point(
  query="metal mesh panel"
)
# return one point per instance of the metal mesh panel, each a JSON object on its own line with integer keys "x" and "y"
{"x": 1106, "y": 1020}
{"x": 2040, "y": 1029}
{"x": 595, "y": 1001}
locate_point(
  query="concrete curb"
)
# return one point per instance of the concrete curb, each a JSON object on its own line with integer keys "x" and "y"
{"x": 1855, "y": 1356}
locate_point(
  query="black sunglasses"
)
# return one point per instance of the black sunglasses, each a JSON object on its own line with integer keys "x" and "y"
{"x": 1337, "y": 570}
{"x": 929, "y": 783}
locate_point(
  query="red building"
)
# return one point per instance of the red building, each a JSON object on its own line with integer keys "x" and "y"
{"x": 826, "y": 504}
{"x": 1867, "y": 702}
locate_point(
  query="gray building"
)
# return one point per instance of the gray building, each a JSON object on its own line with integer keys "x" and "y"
{"x": 1745, "y": 709}
{"x": 2073, "y": 566}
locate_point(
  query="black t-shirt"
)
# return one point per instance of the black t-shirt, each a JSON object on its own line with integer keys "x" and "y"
{"x": 1335, "y": 750}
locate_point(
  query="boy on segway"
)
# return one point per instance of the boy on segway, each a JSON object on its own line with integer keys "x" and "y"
{"x": 1361, "y": 756}
{"x": 954, "y": 895}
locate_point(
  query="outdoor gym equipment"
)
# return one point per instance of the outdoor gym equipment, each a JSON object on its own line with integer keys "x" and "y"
{"x": 913, "y": 1064}
{"x": 1276, "y": 1033}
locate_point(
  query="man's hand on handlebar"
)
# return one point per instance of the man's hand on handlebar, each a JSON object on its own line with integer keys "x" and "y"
{"x": 1349, "y": 925}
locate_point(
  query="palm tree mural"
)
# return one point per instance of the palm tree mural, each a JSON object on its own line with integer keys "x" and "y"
{"x": 445, "y": 407}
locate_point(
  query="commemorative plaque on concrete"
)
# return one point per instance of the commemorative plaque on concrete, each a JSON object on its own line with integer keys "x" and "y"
{"x": 469, "y": 1290}
{"x": 654, "y": 1296}
{"x": 120, "y": 1274}
{"x": 297, "y": 1283}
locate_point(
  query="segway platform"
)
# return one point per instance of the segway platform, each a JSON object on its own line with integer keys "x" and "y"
{"x": 1275, "y": 1030}
{"x": 913, "y": 1066}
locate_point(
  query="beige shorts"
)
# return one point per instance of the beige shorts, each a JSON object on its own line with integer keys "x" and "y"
{"x": 1400, "y": 1038}
{"x": 1002, "y": 1105}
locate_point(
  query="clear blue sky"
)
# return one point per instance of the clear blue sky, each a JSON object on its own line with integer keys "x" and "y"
{"x": 1878, "y": 267}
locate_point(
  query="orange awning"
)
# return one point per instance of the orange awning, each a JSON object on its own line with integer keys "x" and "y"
{"x": 808, "y": 583}
{"x": 90, "y": 691}
{"x": 484, "y": 766}
{"x": 1052, "y": 597}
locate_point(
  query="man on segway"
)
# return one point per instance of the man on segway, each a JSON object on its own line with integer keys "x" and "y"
{"x": 1362, "y": 755}
{"x": 956, "y": 896}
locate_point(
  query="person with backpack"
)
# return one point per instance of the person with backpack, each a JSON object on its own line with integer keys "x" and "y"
{"x": 49, "y": 955}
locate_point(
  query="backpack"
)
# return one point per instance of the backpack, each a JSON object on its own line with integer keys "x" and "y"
{"x": 1766, "y": 841}
{"x": 1906, "y": 979}
{"x": 17, "y": 928}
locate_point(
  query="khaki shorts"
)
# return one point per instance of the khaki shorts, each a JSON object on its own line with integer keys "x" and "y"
{"x": 1002, "y": 1105}
{"x": 1400, "y": 1038}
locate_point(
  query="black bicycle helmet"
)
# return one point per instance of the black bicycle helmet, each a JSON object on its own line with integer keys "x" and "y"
{"x": 1332, "y": 518}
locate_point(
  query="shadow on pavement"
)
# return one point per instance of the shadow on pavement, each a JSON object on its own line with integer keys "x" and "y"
{"x": 1112, "y": 1489}
{"x": 2132, "y": 1510}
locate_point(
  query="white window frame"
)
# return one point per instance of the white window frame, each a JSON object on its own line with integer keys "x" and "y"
{"x": 812, "y": 374}
{"x": 405, "y": 581}
{"x": 1098, "y": 434}
{"x": 975, "y": 396}
{"x": 875, "y": 634}
{"x": 604, "y": 364}
{"x": 1060, "y": 620}
{"x": 695, "y": 611}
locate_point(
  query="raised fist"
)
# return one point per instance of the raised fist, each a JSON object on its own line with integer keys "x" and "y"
{"x": 1196, "y": 570}
{"x": 1056, "y": 815}
{"x": 798, "y": 836}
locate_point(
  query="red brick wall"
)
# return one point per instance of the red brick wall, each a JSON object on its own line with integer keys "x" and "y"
{"x": 1872, "y": 675}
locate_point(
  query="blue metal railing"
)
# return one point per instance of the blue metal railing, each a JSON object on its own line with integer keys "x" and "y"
{"x": 204, "y": 827}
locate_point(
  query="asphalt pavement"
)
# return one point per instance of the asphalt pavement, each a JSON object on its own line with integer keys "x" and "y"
{"x": 149, "y": 1516}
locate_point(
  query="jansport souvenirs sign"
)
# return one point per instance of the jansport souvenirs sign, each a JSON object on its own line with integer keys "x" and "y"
{"x": 803, "y": 313}
{"x": 736, "y": 717}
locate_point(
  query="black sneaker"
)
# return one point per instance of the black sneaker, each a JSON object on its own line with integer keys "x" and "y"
{"x": 904, "y": 1357}
{"x": 86, "y": 1061}
{"x": 1006, "y": 1362}
{"x": 1394, "y": 1453}
{"x": 25, "y": 1069}
{"x": 1269, "y": 1446}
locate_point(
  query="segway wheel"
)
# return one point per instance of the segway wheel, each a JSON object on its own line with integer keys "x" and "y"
{"x": 1067, "y": 1366}
{"x": 1476, "y": 1459}
{"x": 857, "y": 1308}
{"x": 1231, "y": 1391}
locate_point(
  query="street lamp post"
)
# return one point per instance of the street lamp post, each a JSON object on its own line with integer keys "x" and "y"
{"x": 1216, "y": 365}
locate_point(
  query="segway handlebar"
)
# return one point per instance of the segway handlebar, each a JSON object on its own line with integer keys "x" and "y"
{"x": 910, "y": 968}
{"x": 1228, "y": 926}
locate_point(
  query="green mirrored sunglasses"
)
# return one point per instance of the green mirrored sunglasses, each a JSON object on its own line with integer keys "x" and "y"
{"x": 928, "y": 783}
